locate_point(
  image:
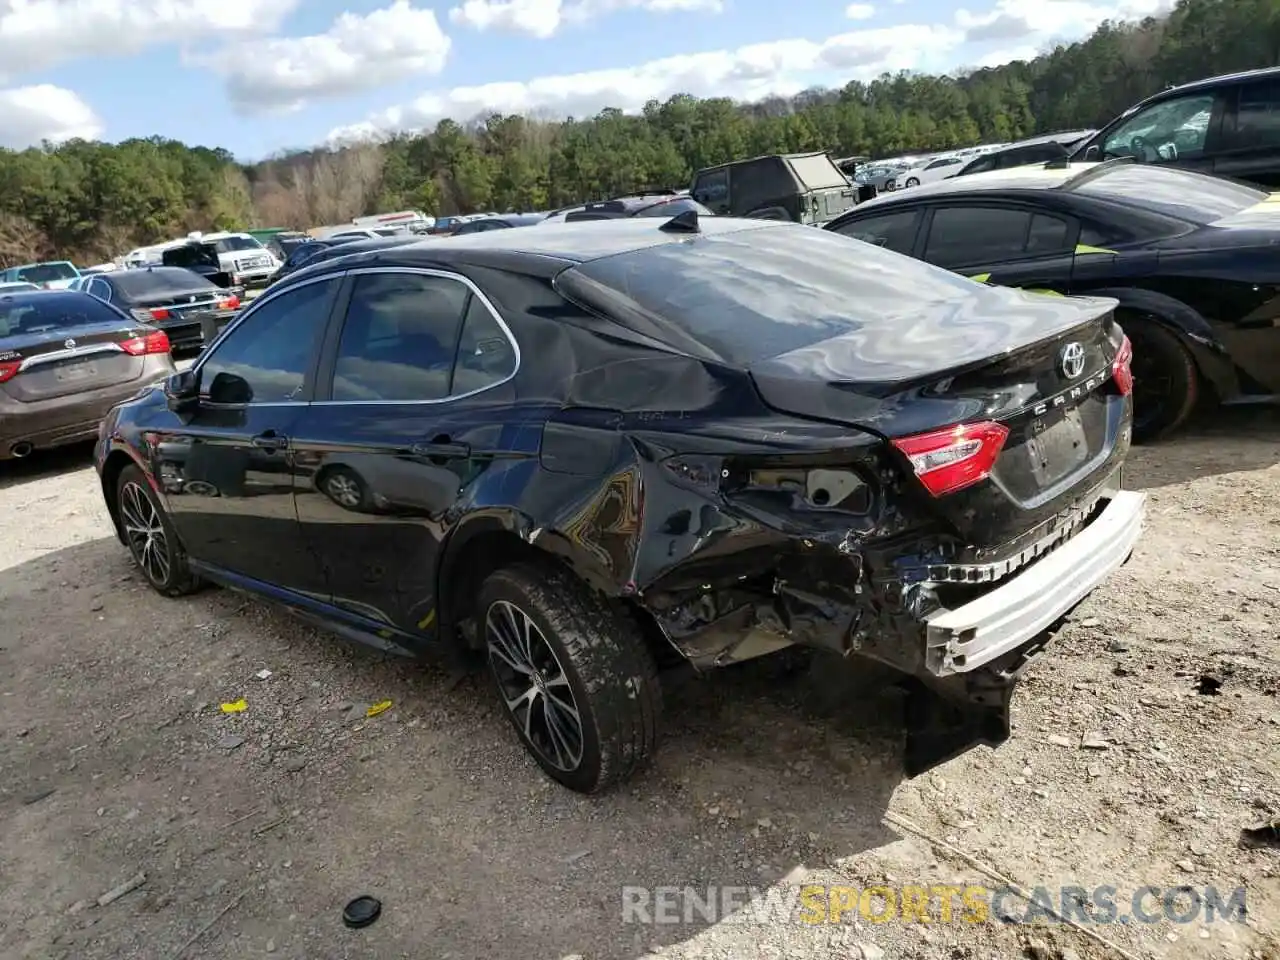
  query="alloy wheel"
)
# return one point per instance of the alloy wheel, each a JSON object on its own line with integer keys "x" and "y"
{"x": 534, "y": 685}
{"x": 1153, "y": 388}
{"x": 343, "y": 490}
{"x": 144, "y": 532}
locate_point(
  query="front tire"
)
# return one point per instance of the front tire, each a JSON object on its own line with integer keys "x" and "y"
{"x": 912, "y": 182}
{"x": 150, "y": 536}
{"x": 576, "y": 678}
{"x": 1166, "y": 384}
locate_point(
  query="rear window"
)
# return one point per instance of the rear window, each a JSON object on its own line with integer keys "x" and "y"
{"x": 818, "y": 173}
{"x": 675, "y": 207}
{"x": 759, "y": 292}
{"x": 140, "y": 283}
{"x": 37, "y": 313}
{"x": 1176, "y": 193}
{"x": 48, "y": 272}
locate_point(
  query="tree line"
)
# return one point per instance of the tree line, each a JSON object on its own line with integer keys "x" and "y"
{"x": 89, "y": 201}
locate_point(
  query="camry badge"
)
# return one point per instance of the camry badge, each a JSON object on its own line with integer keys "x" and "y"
{"x": 1072, "y": 360}
{"x": 69, "y": 343}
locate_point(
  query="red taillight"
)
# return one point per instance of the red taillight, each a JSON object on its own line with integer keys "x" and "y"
{"x": 157, "y": 342}
{"x": 9, "y": 369}
{"x": 955, "y": 458}
{"x": 1121, "y": 368}
{"x": 229, "y": 303}
{"x": 159, "y": 313}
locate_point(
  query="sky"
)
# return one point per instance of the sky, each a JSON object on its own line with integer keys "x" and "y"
{"x": 263, "y": 76}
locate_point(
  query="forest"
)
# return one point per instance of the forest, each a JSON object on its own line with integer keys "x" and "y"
{"x": 90, "y": 201}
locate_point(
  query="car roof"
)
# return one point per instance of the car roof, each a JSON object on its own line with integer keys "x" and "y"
{"x": 1054, "y": 175}
{"x": 1209, "y": 83}
{"x": 555, "y": 246}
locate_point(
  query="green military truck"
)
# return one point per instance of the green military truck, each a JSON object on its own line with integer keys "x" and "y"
{"x": 804, "y": 187}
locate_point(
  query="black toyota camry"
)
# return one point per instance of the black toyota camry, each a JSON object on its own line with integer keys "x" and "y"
{"x": 1190, "y": 258}
{"x": 589, "y": 451}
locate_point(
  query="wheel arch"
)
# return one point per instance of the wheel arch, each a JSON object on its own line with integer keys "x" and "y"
{"x": 1212, "y": 361}
{"x": 484, "y": 544}
{"x": 109, "y": 476}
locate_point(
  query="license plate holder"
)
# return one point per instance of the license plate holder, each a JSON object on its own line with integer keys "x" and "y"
{"x": 75, "y": 372}
{"x": 1059, "y": 449}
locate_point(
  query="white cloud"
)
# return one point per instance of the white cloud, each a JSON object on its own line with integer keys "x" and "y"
{"x": 356, "y": 53}
{"x": 29, "y": 115}
{"x": 542, "y": 18}
{"x": 37, "y": 34}
{"x": 860, "y": 11}
{"x": 1041, "y": 20}
{"x": 783, "y": 67}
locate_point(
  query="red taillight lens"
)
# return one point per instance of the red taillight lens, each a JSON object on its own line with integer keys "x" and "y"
{"x": 955, "y": 458}
{"x": 9, "y": 369}
{"x": 229, "y": 303}
{"x": 157, "y": 342}
{"x": 1121, "y": 368}
{"x": 159, "y": 313}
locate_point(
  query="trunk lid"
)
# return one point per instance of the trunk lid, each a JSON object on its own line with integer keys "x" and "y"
{"x": 57, "y": 363}
{"x": 1050, "y": 386}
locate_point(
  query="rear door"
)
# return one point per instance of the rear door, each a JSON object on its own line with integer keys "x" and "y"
{"x": 410, "y": 411}
{"x": 1250, "y": 142}
{"x": 226, "y": 467}
{"x": 1012, "y": 246}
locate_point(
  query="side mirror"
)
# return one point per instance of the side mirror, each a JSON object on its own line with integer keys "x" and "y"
{"x": 1094, "y": 152}
{"x": 230, "y": 389}
{"x": 182, "y": 390}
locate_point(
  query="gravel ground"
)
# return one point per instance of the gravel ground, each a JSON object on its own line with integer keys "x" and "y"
{"x": 253, "y": 829}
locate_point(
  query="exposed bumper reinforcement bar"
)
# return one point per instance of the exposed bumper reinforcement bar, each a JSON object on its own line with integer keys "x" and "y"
{"x": 1015, "y": 613}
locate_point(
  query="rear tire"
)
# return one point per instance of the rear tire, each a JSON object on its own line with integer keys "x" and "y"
{"x": 561, "y": 658}
{"x": 1166, "y": 382}
{"x": 150, "y": 537}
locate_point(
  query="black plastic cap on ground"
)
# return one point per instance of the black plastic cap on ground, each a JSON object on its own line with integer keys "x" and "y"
{"x": 361, "y": 912}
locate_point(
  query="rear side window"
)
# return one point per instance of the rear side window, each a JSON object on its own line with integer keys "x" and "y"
{"x": 485, "y": 355}
{"x": 759, "y": 291}
{"x": 964, "y": 235}
{"x": 399, "y": 338}
{"x": 1258, "y": 116}
{"x": 893, "y": 231}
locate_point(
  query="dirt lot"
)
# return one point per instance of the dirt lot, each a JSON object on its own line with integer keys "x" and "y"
{"x": 254, "y": 829}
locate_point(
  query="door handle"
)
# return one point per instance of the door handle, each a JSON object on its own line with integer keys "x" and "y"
{"x": 442, "y": 448}
{"x": 270, "y": 440}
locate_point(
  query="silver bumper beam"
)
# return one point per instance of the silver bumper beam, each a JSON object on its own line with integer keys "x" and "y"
{"x": 1017, "y": 612}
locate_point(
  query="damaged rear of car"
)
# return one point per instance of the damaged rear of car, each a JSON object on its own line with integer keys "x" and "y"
{"x": 914, "y": 468}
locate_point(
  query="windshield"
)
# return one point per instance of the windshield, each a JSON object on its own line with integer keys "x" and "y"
{"x": 231, "y": 244}
{"x": 141, "y": 283}
{"x": 1188, "y": 196}
{"x": 388, "y": 231}
{"x": 756, "y": 293}
{"x": 48, "y": 272}
{"x": 47, "y": 312}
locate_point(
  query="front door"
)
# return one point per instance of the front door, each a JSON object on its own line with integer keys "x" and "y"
{"x": 410, "y": 411}
{"x": 226, "y": 466}
{"x": 1009, "y": 246}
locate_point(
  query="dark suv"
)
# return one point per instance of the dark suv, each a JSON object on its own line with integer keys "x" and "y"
{"x": 804, "y": 187}
{"x": 1228, "y": 126}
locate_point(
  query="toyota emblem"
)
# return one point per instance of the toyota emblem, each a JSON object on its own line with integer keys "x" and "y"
{"x": 69, "y": 343}
{"x": 1072, "y": 360}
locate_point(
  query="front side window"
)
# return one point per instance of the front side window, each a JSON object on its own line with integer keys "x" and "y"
{"x": 399, "y": 338}
{"x": 712, "y": 188}
{"x": 893, "y": 231}
{"x": 1171, "y": 130}
{"x": 266, "y": 357}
